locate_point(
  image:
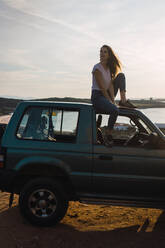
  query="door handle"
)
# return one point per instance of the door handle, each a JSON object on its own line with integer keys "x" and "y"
{"x": 105, "y": 157}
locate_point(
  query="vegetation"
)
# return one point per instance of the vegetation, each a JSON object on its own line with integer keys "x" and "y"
{"x": 8, "y": 105}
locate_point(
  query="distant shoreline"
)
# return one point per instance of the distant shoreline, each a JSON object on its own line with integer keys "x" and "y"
{"x": 8, "y": 105}
{"x": 148, "y": 106}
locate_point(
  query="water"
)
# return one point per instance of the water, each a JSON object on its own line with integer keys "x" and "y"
{"x": 156, "y": 115}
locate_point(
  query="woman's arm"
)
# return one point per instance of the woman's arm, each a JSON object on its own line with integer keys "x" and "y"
{"x": 100, "y": 83}
{"x": 111, "y": 91}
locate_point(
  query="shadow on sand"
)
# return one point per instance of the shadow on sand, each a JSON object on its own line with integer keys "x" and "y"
{"x": 15, "y": 232}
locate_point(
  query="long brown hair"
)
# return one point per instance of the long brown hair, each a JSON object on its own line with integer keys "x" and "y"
{"x": 113, "y": 63}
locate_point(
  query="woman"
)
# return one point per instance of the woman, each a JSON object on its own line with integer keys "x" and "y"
{"x": 106, "y": 81}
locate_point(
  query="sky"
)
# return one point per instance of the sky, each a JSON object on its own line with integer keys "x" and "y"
{"x": 49, "y": 47}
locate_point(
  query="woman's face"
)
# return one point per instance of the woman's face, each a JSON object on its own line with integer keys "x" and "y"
{"x": 104, "y": 56}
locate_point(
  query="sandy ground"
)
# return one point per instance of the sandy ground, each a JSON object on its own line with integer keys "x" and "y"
{"x": 84, "y": 226}
{"x": 5, "y": 118}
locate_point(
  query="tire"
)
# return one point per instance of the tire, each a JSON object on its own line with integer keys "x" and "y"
{"x": 42, "y": 202}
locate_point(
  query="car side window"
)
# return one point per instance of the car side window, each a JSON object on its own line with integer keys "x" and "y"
{"x": 129, "y": 131}
{"x": 34, "y": 124}
{"x": 65, "y": 122}
{"x": 48, "y": 124}
{"x": 124, "y": 128}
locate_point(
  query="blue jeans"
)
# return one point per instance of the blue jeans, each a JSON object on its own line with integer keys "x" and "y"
{"x": 103, "y": 106}
{"x": 119, "y": 83}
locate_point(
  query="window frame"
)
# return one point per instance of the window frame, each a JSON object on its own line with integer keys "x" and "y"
{"x": 50, "y": 109}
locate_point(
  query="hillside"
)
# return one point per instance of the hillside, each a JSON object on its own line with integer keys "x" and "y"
{"x": 8, "y": 105}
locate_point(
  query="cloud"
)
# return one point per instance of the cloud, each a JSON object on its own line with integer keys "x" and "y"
{"x": 27, "y": 9}
{"x": 18, "y": 59}
{"x": 54, "y": 44}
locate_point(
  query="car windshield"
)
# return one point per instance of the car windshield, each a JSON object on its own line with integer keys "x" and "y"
{"x": 145, "y": 126}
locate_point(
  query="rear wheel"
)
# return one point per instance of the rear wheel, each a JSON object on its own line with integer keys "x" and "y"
{"x": 43, "y": 202}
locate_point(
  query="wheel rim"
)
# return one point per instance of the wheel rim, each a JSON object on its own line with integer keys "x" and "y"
{"x": 42, "y": 203}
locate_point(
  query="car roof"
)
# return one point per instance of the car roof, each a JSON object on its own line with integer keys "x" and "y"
{"x": 122, "y": 111}
{"x": 56, "y": 103}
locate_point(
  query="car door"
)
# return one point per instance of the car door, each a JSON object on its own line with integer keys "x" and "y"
{"x": 127, "y": 172}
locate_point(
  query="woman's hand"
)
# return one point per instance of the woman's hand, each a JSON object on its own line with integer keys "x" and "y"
{"x": 113, "y": 102}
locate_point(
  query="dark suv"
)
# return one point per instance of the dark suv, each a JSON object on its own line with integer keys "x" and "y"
{"x": 54, "y": 152}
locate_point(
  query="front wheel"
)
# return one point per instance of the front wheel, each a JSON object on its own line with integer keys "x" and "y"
{"x": 43, "y": 202}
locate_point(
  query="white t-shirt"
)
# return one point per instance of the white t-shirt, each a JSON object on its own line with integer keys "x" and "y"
{"x": 105, "y": 74}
